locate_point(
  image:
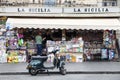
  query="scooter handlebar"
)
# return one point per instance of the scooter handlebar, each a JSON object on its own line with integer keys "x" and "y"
{"x": 54, "y": 52}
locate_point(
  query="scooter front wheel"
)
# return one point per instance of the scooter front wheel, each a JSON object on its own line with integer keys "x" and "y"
{"x": 33, "y": 72}
{"x": 63, "y": 71}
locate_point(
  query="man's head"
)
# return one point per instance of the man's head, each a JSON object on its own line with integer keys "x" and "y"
{"x": 39, "y": 33}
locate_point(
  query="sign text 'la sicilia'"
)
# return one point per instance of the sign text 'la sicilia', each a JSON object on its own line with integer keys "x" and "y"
{"x": 34, "y": 10}
{"x": 91, "y": 10}
{"x": 60, "y": 9}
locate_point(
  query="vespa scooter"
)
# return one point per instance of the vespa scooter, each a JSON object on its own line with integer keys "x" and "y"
{"x": 36, "y": 64}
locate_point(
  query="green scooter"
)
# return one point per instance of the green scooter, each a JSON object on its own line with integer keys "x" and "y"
{"x": 36, "y": 64}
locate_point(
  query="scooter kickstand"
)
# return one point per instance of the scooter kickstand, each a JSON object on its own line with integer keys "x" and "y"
{"x": 48, "y": 72}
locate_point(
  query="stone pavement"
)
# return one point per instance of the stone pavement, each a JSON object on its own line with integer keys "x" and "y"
{"x": 84, "y": 67}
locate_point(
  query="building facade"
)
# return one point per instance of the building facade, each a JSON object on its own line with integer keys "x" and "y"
{"x": 96, "y": 22}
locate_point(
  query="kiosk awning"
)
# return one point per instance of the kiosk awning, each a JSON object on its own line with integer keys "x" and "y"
{"x": 94, "y": 24}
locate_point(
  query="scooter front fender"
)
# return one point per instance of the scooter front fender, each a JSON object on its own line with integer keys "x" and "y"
{"x": 62, "y": 63}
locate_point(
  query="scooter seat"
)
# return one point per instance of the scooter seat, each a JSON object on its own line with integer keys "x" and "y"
{"x": 40, "y": 57}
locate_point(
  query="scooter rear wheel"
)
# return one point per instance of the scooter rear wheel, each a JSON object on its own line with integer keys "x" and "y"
{"x": 33, "y": 72}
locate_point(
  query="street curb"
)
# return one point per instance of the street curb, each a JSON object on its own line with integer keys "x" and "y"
{"x": 70, "y": 72}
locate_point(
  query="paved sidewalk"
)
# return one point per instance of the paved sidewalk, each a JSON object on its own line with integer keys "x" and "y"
{"x": 84, "y": 67}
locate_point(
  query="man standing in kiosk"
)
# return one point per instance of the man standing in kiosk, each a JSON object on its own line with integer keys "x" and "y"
{"x": 38, "y": 40}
